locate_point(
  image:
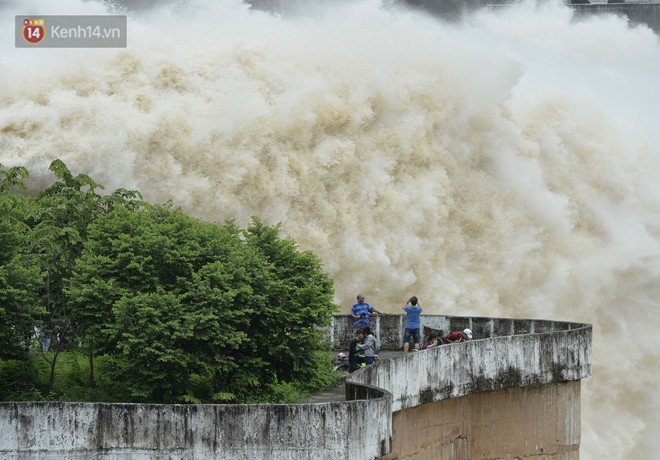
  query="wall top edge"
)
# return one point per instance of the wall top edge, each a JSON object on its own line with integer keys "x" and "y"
{"x": 483, "y": 318}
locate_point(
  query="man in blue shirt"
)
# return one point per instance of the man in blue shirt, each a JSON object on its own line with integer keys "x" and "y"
{"x": 413, "y": 311}
{"x": 360, "y": 313}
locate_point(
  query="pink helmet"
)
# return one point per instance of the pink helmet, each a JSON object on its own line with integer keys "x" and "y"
{"x": 341, "y": 355}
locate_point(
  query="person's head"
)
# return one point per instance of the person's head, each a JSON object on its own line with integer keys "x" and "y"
{"x": 366, "y": 330}
{"x": 359, "y": 334}
{"x": 413, "y": 301}
{"x": 360, "y": 298}
{"x": 468, "y": 333}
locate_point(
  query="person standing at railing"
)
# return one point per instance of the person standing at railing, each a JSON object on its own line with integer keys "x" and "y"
{"x": 360, "y": 313}
{"x": 413, "y": 311}
{"x": 368, "y": 345}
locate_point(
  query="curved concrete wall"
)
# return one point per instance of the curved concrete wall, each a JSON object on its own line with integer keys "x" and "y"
{"x": 540, "y": 353}
{"x": 538, "y": 422}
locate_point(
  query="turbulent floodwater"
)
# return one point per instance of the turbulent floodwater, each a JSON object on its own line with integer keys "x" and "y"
{"x": 507, "y": 165}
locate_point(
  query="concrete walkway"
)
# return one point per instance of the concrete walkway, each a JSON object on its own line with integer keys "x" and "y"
{"x": 338, "y": 393}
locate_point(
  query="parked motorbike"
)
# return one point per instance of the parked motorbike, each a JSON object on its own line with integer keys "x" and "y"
{"x": 341, "y": 362}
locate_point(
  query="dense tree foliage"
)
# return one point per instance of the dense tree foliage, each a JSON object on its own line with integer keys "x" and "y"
{"x": 59, "y": 219}
{"x": 20, "y": 277}
{"x": 176, "y": 309}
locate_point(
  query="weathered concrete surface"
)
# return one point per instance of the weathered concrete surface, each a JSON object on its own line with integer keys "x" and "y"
{"x": 356, "y": 429}
{"x": 540, "y": 354}
{"x": 388, "y": 327}
{"x": 537, "y": 422}
{"x": 560, "y": 353}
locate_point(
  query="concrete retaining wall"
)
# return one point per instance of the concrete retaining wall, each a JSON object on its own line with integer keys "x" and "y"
{"x": 539, "y": 422}
{"x": 542, "y": 353}
{"x": 144, "y": 431}
{"x": 390, "y": 328}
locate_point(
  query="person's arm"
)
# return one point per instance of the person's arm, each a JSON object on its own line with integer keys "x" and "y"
{"x": 368, "y": 342}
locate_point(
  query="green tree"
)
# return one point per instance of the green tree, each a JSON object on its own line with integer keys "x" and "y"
{"x": 215, "y": 304}
{"x": 135, "y": 256}
{"x": 151, "y": 357}
{"x": 20, "y": 276}
{"x": 60, "y": 218}
{"x": 183, "y": 310}
{"x": 298, "y": 304}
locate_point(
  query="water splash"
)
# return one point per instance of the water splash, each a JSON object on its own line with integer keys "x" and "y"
{"x": 506, "y": 165}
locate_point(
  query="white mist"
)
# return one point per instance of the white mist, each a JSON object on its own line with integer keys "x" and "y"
{"x": 504, "y": 166}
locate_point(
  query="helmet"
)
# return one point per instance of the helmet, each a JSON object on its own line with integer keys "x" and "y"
{"x": 341, "y": 355}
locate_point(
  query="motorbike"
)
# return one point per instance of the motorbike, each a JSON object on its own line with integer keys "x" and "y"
{"x": 341, "y": 362}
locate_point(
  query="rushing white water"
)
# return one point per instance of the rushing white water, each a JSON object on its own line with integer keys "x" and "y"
{"x": 504, "y": 166}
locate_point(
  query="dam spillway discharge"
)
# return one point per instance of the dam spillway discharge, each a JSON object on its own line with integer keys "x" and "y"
{"x": 513, "y": 391}
{"x": 637, "y": 13}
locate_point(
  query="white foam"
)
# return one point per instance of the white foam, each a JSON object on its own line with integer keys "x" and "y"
{"x": 504, "y": 166}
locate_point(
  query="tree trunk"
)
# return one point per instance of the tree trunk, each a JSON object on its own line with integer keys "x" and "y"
{"x": 92, "y": 384}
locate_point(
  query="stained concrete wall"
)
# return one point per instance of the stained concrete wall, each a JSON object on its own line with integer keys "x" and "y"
{"x": 540, "y": 422}
{"x": 541, "y": 352}
{"x": 390, "y": 328}
{"x": 356, "y": 429}
{"x": 540, "y": 355}
{"x": 512, "y": 392}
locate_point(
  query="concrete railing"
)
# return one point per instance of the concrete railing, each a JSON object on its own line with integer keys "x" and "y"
{"x": 504, "y": 353}
{"x": 538, "y": 352}
{"x": 390, "y": 328}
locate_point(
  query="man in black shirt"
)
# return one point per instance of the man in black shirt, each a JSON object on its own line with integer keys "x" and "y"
{"x": 355, "y": 360}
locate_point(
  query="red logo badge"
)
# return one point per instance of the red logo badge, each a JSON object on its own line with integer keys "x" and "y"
{"x": 33, "y": 30}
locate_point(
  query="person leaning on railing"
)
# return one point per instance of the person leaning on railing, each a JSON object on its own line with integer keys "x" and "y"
{"x": 458, "y": 336}
{"x": 360, "y": 312}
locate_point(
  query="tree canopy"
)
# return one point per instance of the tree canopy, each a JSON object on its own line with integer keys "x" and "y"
{"x": 179, "y": 309}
